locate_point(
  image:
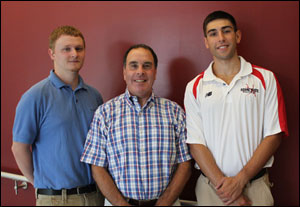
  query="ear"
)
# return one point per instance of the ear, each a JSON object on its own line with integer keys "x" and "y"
{"x": 51, "y": 54}
{"x": 206, "y": 43}
{"x": 238, "y": 36}
{"x": 124, "y": 74}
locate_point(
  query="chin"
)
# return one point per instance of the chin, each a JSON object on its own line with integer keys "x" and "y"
{"x": 140, "y": 94}
{"x": 75, "y": 69}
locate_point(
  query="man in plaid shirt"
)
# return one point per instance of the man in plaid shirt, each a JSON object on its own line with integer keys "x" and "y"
{"x": 136, "y": 142}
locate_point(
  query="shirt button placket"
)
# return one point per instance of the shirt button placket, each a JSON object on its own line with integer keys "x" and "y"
{"x": 142, "y": 145}
{"x": 75, "y": 98}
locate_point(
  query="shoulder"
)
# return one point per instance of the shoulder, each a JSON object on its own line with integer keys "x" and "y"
{"x": 94, "y": 93}
{"x": 261, "y": 70}
{"x": 192, "y": 86}
{"x": 195, "y": 81}
{"x": 112, "y": 104}
{"x": 114, "y": 101}
{"x": 264, "y": 75}
{"x": 92, "y": 90}
{"x": 35, "y": 97}
{"x": 38, "y": 90}
{"x": 168, "y": 104}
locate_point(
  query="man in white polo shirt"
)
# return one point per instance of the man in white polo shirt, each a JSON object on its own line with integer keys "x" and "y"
{"x": 235, "y": 121}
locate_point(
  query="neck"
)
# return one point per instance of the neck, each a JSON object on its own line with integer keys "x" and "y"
{"x": 70, "y": 78}
{"x": 141, "y": 98}
{"x": 142, "y": 101}
{"x": 226, "y": 69}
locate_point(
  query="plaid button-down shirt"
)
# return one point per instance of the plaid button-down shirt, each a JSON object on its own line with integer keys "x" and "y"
{"x": 141, "y": 147}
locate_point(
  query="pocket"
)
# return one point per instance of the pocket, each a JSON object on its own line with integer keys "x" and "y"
{"x": 269, "y": 200}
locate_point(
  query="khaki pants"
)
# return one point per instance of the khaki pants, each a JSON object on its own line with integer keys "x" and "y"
{"x": 88, "y": 199}
{"x": 258, "y": 191}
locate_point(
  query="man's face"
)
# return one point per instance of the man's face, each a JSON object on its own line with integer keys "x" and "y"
{"x": 221, "y": 39}
{"x": 140, "y": 73}
{"x": 68, "y": 53}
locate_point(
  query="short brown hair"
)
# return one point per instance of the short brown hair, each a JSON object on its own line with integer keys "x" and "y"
{"x": 64, "y": 30}
{"x": 218, "y": 15}
{"x": 146, "y": 47}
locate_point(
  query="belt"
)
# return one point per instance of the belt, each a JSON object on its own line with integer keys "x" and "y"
{"x": 141, "y": 202}
{"x": 258, "y": 175}
{"x": 79, "y": 190}
{"x": 261, "y": 173}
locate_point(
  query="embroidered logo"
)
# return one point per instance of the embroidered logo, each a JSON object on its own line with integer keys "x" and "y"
{"x": 208, "y": 94}
{"x": 250, "y": 90}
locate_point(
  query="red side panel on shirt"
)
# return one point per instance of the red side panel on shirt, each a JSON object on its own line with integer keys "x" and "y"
{"x": 196, "y": 84}
{"x": 281, "y": 110}
{"x": 281, "y": 105}
{"x": 259, "y": 75}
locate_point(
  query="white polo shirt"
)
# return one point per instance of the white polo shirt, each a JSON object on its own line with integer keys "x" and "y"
{"x": 232, "y": 120}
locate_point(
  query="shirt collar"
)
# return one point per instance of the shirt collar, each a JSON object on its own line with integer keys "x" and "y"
{"x": 134, "y": 100}
{"x": 60, "y": 84}
{"x": 246, "y": 69}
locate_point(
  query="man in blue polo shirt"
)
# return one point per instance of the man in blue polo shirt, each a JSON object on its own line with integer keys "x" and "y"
{"x": 51, "y": 123}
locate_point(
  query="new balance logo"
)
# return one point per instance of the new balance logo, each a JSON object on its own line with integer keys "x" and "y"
{"x": 208, "y": 94}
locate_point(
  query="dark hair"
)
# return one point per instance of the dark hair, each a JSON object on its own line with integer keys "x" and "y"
{"x": 218, "y": 15}
{"x": 140, "y": 46}
{"x": 64, "y": 30}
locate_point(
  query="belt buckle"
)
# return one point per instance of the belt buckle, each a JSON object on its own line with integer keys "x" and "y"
{"x": 141, "y": 202}
{"x": 147, "y": 202}
{"x": 134, "y": 202}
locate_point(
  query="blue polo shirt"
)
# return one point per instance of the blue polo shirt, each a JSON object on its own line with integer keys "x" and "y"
{"x": 55, "y": 120}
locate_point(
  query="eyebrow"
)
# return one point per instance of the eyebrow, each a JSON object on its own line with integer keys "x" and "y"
{"x": 135, "y": 62}
{"x": 70, "y": 45}
{"x": 132, "y": 62}
{"x": 225, "y": 27}
{"x": 147, "y": 63}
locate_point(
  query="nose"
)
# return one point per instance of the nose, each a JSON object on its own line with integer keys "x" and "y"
{"x": 74, "y": 52}
{"x": 221, "y": 36}
{"x": 140, "y": 70}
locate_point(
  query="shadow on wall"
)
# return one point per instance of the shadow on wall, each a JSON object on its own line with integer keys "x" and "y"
{"x": 188, "y": 193}
{"x": 115, "y": 55}
{"x": 181, "y": 71}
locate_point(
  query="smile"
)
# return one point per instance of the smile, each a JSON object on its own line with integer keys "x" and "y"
{"x": 140, "y": 81}
{"x": 222, "y": 47}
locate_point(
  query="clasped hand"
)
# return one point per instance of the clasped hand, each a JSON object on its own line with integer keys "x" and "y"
{"x": 229, "y": 190}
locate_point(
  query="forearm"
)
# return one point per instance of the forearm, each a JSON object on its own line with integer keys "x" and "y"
{"x": 206, "y": 162}
{"x": 260, "y": 157}
{"x": 180, "y": 178}
{"x": 23, "y": 157}
{"x": 107, "y": 186}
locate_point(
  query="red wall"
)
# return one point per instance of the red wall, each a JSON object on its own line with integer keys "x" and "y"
{"x": 270, "y": 38}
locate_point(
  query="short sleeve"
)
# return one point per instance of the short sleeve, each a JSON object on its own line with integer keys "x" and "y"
{"x": 94, "y": 151}
{"x": 27, "y": 119}
{"x": 195, "y": 134}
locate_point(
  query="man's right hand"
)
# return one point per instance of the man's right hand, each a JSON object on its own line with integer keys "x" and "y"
{"x": 242, "y": 200}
